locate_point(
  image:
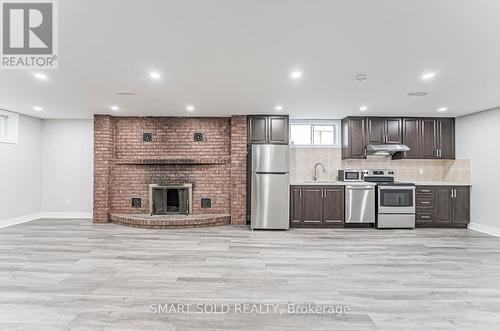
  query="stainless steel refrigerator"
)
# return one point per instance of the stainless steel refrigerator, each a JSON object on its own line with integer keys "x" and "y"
{"x": 270, "y": 187}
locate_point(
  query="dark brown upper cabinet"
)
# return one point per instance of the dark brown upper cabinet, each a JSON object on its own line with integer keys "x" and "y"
{"x": 376, "y": 130}
{"x": 384, "y": 130}
{"x": 427, "y": 138}
{"x": 354, "y": 138}
{"x": 268, "y": 129}
{"x": 446, "y": 135}
{"x": 438, "y": 138}
{"x": 411, "y": 137}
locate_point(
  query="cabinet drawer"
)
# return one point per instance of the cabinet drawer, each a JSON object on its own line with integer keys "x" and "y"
{"x": 424, "y": 190}
{"x": 427, "y": 202}
{"x": 424, "y": 219}
{"x": 423, "y": 216}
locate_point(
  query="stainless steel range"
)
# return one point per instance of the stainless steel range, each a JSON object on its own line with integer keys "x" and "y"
{"x": 395, "y": 201}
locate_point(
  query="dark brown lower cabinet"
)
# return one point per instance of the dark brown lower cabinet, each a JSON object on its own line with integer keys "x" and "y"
{"x": 316, "y": 206}
{"x": 442, "y": 206}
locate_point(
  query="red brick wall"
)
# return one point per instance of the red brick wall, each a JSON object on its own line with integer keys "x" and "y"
{"x": 118, "y": 140}
{"x": 238, "y": 169}
{"x": 172, "y": 136}
{"x": 104, "y": 130}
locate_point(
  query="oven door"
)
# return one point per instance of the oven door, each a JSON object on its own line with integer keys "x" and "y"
{"x": 396, "y": 199}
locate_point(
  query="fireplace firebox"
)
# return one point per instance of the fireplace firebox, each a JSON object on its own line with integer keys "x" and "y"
{"x": 170, "y": 199}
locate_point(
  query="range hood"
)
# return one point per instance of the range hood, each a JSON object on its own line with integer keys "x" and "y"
{"x": 386, "y": 150}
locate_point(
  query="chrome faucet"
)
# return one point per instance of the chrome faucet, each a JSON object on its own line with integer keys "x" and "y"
{"x": 316, "y": 170}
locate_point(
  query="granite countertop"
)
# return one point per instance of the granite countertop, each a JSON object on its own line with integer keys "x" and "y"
{"x": 443, "y": 184}
{"x": 334, "y": 182}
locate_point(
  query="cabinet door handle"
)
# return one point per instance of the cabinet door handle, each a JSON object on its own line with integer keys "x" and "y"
{"x": 425, "y": 217}
{"x": 425, "y": 202}
{"x": 425, "y": 191}
{"x": 300, "y": 193}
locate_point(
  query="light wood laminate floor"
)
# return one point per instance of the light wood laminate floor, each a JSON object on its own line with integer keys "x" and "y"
{"x": 73, "y": 275}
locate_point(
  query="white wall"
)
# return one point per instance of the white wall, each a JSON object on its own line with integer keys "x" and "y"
{"x": 477, "y": 138}
{"x": 67, "y": 157}
{"x": 20, "y": 171}
{"x": 49, "y": 172}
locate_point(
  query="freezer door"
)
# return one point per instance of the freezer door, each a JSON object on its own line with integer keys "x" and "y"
{"x": 270, "y": 201}
{"x": 270, "y": 158}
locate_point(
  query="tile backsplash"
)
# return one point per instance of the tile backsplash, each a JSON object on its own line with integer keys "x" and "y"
{"x": 302, "y": 161}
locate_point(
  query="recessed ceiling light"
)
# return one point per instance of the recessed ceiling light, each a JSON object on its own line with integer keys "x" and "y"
{"x": 418, "y": 94}
{"x": 296, "y": 74}
{"x": 363, "y": 108}
{"x": 361, "y": 77}
{"x": 154, "y": 75}
{"x": 428, "y": 75}
{"x": 37, "y": 108}
{"x": 115, "y": 108}
{"x": 40, "y": 76}
{"x": 442, "y": 109}
{"x": 190, "y": 108}
{"x": 278, "y": 108}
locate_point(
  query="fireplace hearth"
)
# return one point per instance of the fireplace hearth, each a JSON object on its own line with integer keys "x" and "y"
{"x": 170, "y": 199}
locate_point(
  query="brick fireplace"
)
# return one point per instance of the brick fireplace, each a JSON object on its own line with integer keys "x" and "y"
{"x": 132, "y": 153}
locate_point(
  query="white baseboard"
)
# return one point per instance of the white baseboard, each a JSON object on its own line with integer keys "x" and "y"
{"x": 37, "y": 216}
{"x": 19, "y": 220}
{"x": 65, "y": 215}
{"x": 485, "y": 229}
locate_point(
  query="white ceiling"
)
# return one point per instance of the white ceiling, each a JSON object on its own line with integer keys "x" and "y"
{"x": 235, "y": 57}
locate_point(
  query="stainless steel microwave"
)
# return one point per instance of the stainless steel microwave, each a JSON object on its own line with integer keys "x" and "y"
{"x": 352, "y": 175}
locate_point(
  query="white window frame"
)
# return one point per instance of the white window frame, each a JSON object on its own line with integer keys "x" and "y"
{"x": 4, "y": 123}
{"x": 335, "y": 123}
{"x": 11, "y": 127}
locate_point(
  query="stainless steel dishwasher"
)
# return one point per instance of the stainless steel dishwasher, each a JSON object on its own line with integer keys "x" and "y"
{"x": 360, "y": 203}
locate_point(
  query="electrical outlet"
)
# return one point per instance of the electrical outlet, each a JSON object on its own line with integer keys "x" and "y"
{"x": 420, "y": 171}
{"x": 68, "y": 201}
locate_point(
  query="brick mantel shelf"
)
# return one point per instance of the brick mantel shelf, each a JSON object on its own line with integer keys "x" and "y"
{"x": 177, "y": 160}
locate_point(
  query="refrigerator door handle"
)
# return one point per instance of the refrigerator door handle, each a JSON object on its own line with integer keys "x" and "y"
{"x": 270, "y": 173}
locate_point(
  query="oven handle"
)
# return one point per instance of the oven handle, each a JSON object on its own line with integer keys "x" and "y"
{"x": 396, "y": 187}
{"x": 349, "y": 187}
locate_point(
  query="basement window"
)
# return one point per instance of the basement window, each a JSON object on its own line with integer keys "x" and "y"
{"x": 9, "y": 126}
{"x": 3, "y": 127}
{"x": 314, "y": 133}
